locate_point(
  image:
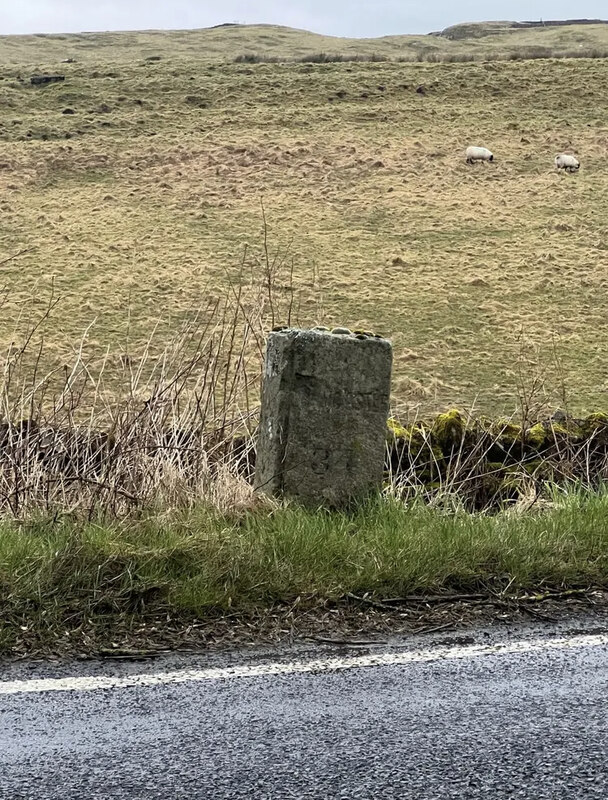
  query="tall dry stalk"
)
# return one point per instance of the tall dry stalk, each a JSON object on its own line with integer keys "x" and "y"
{"x": 170, "y": 429}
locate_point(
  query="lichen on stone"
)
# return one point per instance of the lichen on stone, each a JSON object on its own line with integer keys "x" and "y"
{"x": 448, "y": 430}
{"x": 594, "y": 422}
{"x": 536, "y": 436}
{"x": 506, "y": 431}
{"x": 396, "y": 429}
{"x": 488, "y": 464}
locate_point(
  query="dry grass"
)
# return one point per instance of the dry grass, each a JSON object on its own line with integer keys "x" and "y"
{"x": 477, "y": 40}
{"x": 138, "y": 217}
{"x": 158, "y": 432}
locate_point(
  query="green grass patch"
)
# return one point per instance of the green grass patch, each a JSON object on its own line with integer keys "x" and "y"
{"x": 65, "y": 577}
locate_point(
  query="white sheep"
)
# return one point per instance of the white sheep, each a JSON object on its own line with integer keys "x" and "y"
{"x": 567, "y": 162}
{"x": 475, "y": 154}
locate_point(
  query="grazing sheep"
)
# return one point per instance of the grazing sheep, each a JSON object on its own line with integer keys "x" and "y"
{"x": 566, "y": 162}
{"x": 475, "y": 154}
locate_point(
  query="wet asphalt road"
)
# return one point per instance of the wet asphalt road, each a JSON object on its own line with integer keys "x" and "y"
{"x": 492, "y": 725}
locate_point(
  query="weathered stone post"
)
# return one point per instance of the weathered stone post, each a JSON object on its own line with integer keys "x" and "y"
{"x": 325, "y": 402}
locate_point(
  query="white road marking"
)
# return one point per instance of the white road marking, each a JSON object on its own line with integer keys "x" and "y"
{"x": 99, "y": 682}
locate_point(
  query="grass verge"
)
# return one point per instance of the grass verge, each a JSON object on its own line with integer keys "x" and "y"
{"x": 70, "y": 585}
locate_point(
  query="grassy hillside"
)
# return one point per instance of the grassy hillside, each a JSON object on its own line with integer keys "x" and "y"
{"x": 476, "y": 40}
{"x": 135, "y": 185}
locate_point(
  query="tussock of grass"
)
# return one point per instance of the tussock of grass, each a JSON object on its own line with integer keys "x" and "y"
{"x": 311, "y": 58}
{"x": 427, "y": 54}
{"x": 57, "y": 578}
